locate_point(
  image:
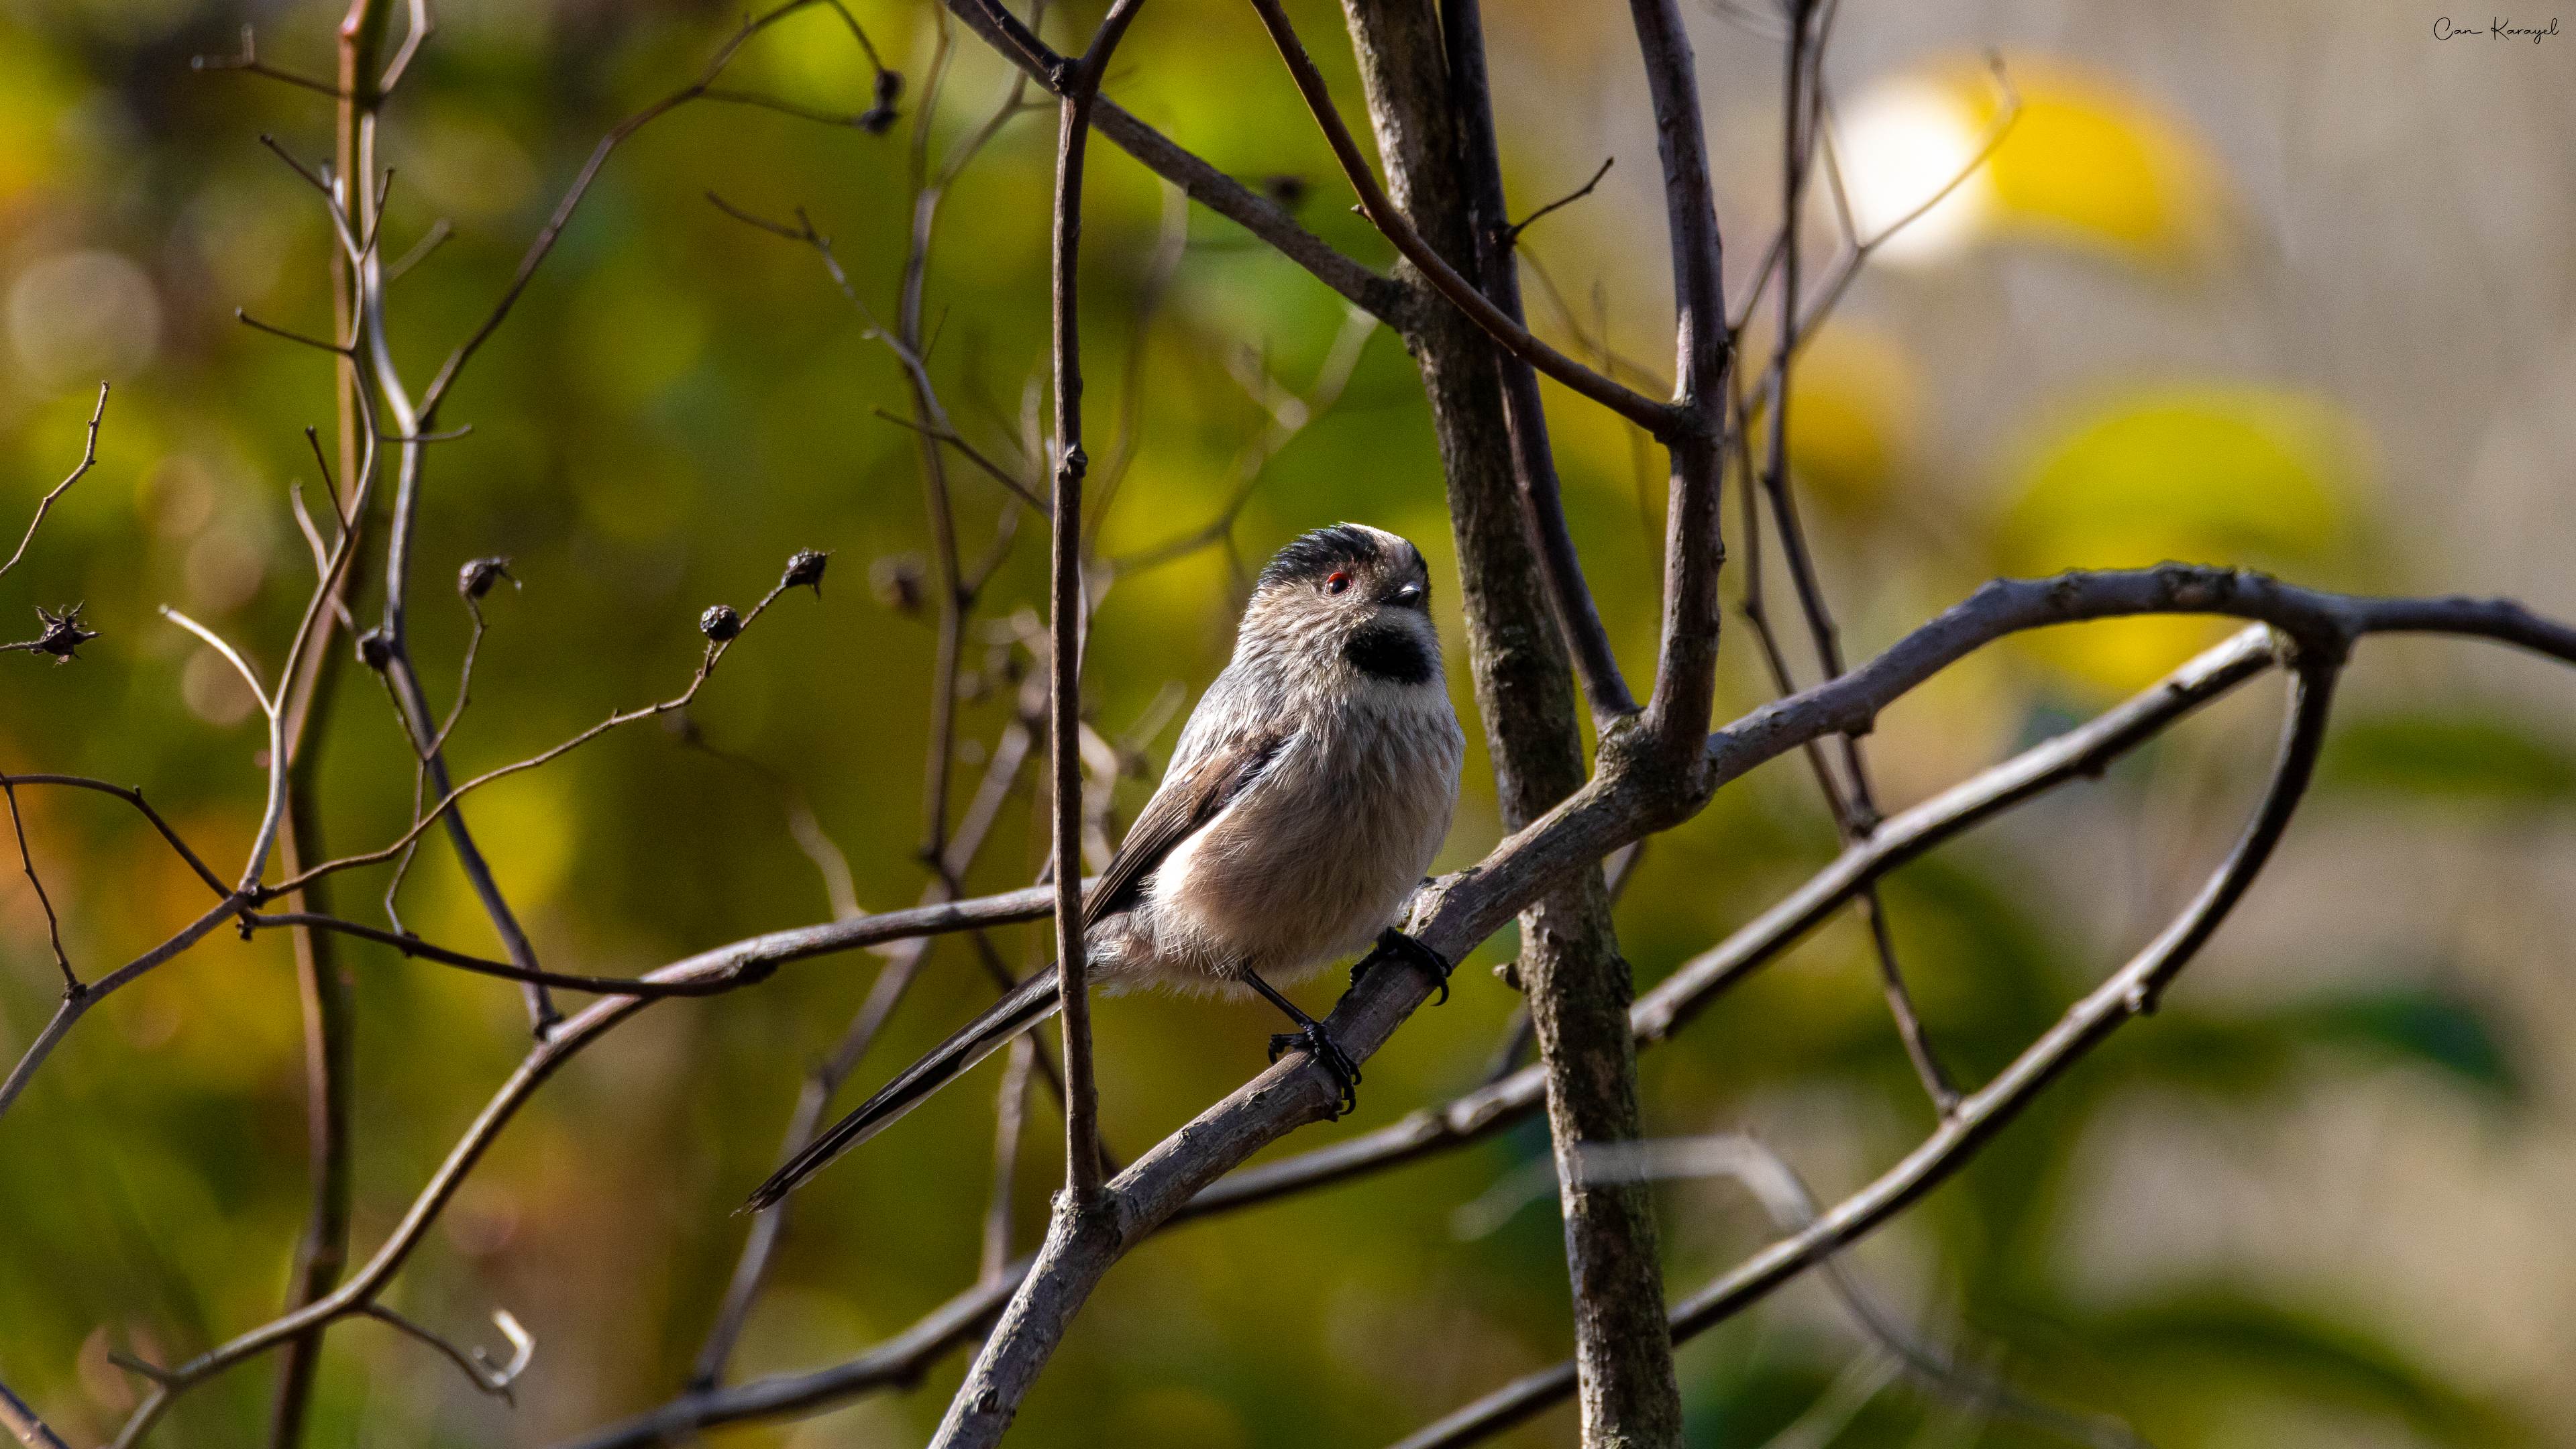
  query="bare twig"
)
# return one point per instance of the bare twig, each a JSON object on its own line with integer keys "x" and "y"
{"x": 1658, "y": 418}
{"x": 985, "y": 1404}
{"x": 712, "y": 655}
{"x": 1387, "y": 299}
{"x": 323, "y": 996}
{"x": 133, "y": 797}
{"x": 1685, "y": 672}
{"x": 27, "y": 862}
{"x": 1010, "y": 1115}
{"x": 2131, "y": 992}
{"x": 250, "y": 63}
{"x": 544, "y": 244}
{"x": 88, "y": 460}
{"x": 2080, "y": 753}
{"x": 1456, "y": 912}
{"x": 334, "y": 348}
{"x": 1854, "y": 814}
{"x": 1064, "y": 653}
{"x": 1533, "y": 460}
{"x": 23, "y": 1425}
{"x": 726, "y": 967}
{"x": 1512, "y": 233}
{"x": 477, "y": 1366}
{"x": 1289, "y": 415}
{"x": 1785, "y": 1199}
{"x": 438, "y": 235}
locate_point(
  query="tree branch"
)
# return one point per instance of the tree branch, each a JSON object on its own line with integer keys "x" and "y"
{"x": 1455, "y": 913}
{"x": 322, "y": 989}
{"x": 1661, "y": 420}
{"x": 1533, "y": 459}
{"x": 1685, "y": 670}
{"x": 2131, "y": 992}
{"x": 44, "y": 505}
{"x": 1382, "y": 297}
{"x": 988, "y": 1400}
{"x": 23, "y": 1424}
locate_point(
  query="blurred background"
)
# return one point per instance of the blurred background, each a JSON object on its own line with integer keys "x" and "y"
{"x": 2287, "y": 286}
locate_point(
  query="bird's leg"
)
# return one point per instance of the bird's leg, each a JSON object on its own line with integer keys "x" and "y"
{"x": 1318, "y": 1042}
{"x": 1392, "y": 942}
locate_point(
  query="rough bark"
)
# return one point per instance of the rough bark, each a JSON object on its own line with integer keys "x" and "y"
{"x": 1579, "y": 986}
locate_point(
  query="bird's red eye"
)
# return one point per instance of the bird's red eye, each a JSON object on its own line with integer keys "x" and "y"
{"x": 1337, "y": 581}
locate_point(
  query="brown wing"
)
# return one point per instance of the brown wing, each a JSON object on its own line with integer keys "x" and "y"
{"x": 1178, "y": 810}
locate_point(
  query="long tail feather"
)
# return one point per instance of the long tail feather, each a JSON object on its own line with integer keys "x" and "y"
{"x": 1031, "y": 1002}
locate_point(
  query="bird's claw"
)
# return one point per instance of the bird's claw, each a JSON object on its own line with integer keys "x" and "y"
{"x": 1392, "y": 942}
{"x": 1319, "y": 1044}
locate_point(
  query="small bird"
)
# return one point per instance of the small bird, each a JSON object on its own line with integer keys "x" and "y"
{"x": 1309, "y": 792}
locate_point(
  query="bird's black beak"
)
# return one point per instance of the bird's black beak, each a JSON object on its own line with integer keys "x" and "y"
{"x": 1403, "y": 596}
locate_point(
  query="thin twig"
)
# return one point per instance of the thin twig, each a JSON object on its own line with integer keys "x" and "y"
{"x": 1512, "y": 233}
{"x": 88, "y": 460}
{"x": 24, "y": 1425}
{"x": 477, "y": 1366}
{"x": 249, "y": 63}
{"x": 710, "y": 657}
{"x": 2129, "y": 993}
{"x": 1455, "y": 913}
{"x": 1661, "y": 419}
{"x": 27, "y": 862}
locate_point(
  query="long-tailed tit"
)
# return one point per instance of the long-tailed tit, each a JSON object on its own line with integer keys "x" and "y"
{"x": 1310, "y": 790}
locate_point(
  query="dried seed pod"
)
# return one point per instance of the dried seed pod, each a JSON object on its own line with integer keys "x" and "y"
{"x": 478, "y": 576}
{"x": 720, "y": 623}
{"x": 62, "y": 635}
{"x": 805, "y": 567}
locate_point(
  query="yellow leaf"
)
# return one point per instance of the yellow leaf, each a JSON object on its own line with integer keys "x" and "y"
{"x": 2241, "y": 477}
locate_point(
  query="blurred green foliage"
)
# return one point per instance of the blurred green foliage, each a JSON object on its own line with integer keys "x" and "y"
{"x": 679, "y": 403}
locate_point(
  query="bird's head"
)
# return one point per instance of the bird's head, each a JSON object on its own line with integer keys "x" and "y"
{"x": 1351, "y": 597}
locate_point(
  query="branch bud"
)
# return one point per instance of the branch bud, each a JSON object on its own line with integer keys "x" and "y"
{"x": 62, "y": 635}
{"x": 805, "y": 568}
{"x": 479, "y": 575}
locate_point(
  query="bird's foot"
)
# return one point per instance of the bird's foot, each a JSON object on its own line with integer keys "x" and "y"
{"x": 1320, "y": 1045}
{"x": 1392, "y": 942}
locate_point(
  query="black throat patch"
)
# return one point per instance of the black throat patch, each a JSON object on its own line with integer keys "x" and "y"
{"x": 1389, "y": 652}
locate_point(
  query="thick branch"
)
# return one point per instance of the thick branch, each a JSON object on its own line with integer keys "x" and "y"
{"x": 1423, "y": 74}
{"x": 2131, "y": 992}
{"x": 1686, "y": 660}
{"x": 1452, "y": 916}
{"x": 1455, "y": 914}
{"x": 2080, "y": 753}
